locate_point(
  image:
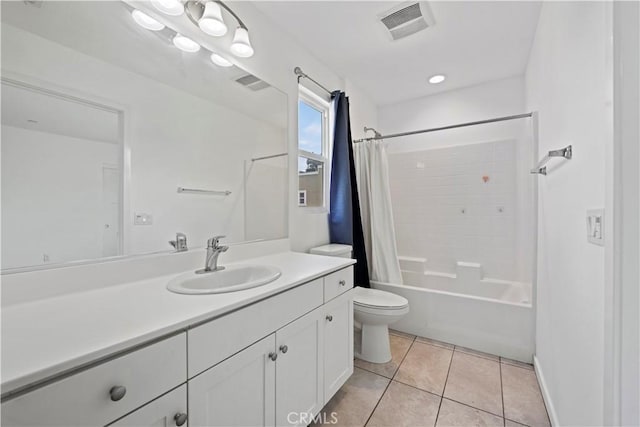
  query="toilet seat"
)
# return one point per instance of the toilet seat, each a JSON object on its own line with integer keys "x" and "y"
{"x": 375, "y": 299}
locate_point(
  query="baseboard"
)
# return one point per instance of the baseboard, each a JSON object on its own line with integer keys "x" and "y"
{"x": 551, "y": 410}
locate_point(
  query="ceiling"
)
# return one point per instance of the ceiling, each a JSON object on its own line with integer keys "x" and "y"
{"x": 471, "y": 42}
{"x": 46, "y": 112}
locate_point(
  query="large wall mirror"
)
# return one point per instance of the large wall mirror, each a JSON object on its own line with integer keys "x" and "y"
{"x": 103, "y": 122}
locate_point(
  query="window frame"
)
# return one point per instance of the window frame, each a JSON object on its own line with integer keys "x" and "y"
{"x": 323, "y": 105}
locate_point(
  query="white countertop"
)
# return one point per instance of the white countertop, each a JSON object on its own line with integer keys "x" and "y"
{"x": 45, "y": 338}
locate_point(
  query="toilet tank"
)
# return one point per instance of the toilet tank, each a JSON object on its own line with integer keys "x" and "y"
{"x": 333, "y": 249}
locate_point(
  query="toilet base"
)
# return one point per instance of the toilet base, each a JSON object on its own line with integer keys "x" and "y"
{"x": 375, "y": 346}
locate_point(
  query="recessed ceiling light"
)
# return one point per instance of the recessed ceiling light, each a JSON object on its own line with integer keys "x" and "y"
{"x": 438, "y": 78}
{"x": 220, "y": 61}
{"x": 185, "y": 44}
{"x": 169, "y": 7}
{"x": 145, "y": 21}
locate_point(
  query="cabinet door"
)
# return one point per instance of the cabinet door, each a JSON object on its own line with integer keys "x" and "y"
{"x": 299, "y": 377}
{"x": 166, "y": 411}
{"x": 239, "y": 391}
{"x": 338, "y": 343}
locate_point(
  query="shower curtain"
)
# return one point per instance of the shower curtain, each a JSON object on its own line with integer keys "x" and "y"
{"x": 372, "y": 173}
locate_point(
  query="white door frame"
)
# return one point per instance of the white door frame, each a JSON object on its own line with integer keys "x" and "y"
{"x": 622, "y": 327}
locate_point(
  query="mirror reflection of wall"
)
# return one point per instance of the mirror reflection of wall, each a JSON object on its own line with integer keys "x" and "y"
{"x": 61, "y": 178}
{"x": 178, "y": 120}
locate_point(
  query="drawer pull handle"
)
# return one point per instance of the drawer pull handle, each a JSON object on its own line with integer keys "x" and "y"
{"x": 180, "y": 418}
{"x": 329, "y": 317}
{"x": 273, "y": 356}
{"x": 342, "y": 282}
{"x": 117, "y": 392}
{"x": 284, "y": 348}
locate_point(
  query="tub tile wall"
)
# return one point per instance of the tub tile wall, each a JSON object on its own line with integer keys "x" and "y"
{"x": 445, "y": 212}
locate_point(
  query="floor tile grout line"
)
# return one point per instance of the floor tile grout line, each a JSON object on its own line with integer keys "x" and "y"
{"x": 389, "y": 383}
{"x": 445, "y": 385}
{"x": 473, "y": 407}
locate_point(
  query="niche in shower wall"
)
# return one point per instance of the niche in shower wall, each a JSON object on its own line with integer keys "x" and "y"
{"x": 461, "y": 204}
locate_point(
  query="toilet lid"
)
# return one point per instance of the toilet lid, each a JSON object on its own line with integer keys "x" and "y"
{"x": 378, "y": 299}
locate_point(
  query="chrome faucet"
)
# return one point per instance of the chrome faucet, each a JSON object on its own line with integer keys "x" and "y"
{"x": 213, "y": 251}
{"x": 180, "y": 244}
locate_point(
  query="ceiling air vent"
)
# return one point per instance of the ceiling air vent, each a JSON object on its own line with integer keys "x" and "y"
{"x": 406, "y": 19}
{"x": 252, "y": 82}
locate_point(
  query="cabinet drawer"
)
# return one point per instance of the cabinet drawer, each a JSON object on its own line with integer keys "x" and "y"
{"x": 338, "y": 283}
{"x": 85, "y": 399}
{"x": 213, "y": 342}
{"x": 168, "y": 410}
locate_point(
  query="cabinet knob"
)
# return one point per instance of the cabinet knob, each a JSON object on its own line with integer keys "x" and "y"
{"x": 180, "y": 418}
{"x": 284, "y": 348}
{"x": 273, "y": 356}
{"x": 342, "y": 282}
{"x": 117, "y": 392}
{"x": 329, "y": 317}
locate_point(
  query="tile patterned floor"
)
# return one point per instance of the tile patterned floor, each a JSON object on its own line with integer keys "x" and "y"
{"x": 429, "y": 383}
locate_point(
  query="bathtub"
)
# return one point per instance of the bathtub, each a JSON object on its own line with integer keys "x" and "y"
{"x": 493, "y": 316}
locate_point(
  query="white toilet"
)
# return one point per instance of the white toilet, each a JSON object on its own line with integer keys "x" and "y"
{"x": 374, "y": 309}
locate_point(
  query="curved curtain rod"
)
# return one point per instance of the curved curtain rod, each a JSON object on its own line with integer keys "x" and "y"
{"x": 415, "y": 132}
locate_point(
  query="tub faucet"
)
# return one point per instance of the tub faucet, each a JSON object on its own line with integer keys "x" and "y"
{"x": 213, "y": 251}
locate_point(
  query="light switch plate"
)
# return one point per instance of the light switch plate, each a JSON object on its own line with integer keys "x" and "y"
{"x": 142, "y": 219}
{"x": 595, "y": 226}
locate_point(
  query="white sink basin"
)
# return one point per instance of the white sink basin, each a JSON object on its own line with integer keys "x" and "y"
{"x": 231, "y": 279}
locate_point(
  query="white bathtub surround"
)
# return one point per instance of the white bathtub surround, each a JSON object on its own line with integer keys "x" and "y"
{"x": 46, "y": 337}
{"x": 372, "y": 172}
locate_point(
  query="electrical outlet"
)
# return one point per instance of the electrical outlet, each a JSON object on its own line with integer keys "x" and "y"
{"x": 595, "y": 226}
{"x": 142, "y": 219}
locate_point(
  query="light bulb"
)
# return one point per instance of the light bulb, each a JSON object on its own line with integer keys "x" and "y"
{"x": 169, "y": 7}
{"x": 220, "y": 61}
{"x": 145, "y": 21}
{"x": 211, "y": 21}
{"x": 185, "y": 44}
{"x": 438, "y": 78}
{"x": 241, "y": 46}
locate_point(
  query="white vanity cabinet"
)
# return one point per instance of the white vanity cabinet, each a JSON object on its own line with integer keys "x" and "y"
{"x": 276, "y": 361}
{"x": 103, "y": 393}
{"x": 283, "y": 379}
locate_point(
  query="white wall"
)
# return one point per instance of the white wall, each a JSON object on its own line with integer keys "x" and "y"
{"x": 567, "y": 82}
{"x": 52, "y": 197}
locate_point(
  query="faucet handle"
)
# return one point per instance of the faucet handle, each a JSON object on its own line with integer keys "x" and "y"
{"x": 213, "y": 242}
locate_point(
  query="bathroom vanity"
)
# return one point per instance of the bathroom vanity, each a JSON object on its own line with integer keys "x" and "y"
{"x": 137, "y": 354}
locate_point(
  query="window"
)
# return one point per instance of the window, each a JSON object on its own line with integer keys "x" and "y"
{"x": 302, "y": 198}
{"x": 313, "y": 150}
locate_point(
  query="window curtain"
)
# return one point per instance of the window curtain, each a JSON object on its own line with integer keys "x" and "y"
{"x": 345, "y": 222}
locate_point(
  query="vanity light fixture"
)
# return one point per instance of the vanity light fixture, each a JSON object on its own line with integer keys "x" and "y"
{"x": 211, "y": 21}
{"x": 185, "y": 43}
{"x": 220, "y": 61}
{"x": 241, "y": 46}
{"x": 207, "y": 15}
{"x": 169, "y": 7}
{"x": 438, "y": 78}
{"x": 145, "y": 21}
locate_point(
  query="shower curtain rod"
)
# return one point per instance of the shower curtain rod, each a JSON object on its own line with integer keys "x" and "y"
{"x": 415, "y": 132}
{"x": 298, "y": 72}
